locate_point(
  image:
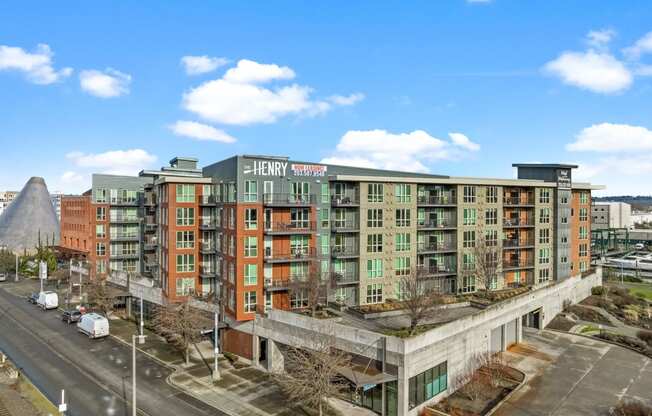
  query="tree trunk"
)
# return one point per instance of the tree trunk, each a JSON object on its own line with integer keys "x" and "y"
{"x": 320, "y": 411}
{"x": 187, "y": 354}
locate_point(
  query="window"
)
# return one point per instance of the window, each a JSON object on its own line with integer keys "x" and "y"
{"x": 100, "y": 213}
{"x": 100, "y": 196}
{"x": 544, "y": 236}
{"x": 100, "y": 249}
{"x": 374, "y": 268}
{"x": 374, "y": 243}
{"x": 491, "y": 238}
{"x": 583, "y": 266}
{"x": 324, "y": 217}
{"x": 185, "y": 216}
{"x": 374, "y": 218}
{"x": 185, "y": 263}
{"x": 324, "y": 240}
{"x": 185, "y": 286}
{"x": 491, "y": 216}
{"x": 375, "y": 192}
{"x": 584, "y": 251}
{"x": 251, "y": 218}
{"x": 375, "y": 293}
{"x": 251, "y": 246}
{"x": 584, "y": 198}
{"x": 185, "y": 193}
{"x": 468, "y": 284}
{"x": 564, "y": 220}
{"x": 251, "y": 191}
{"x": 564, "y": 200}
{"x": 544, "y": 216}
{"x": 99, "y": 231}
{"x": 402, "y": 266}
{"x": 403, "y": 217}
{"x": 299, "y": 218}
{"x": 468, "y": 261}
{"x": 544, "y": 196}
{"x": 468, "y": 239}
{"x": 325, "y": 193}
{"x": 470, "y": 216}
{"x": 492, "y": 194}
{"x": 250, "y": 301}
{"x": 100, "y": 266}
{"x": 427, "y": 385}
{"x": 544, "y": 275}
{"x": 403, "y": 242}
{"x": 250, "y": 274}
{"x": 403, "y": 193}
{"x": 584, "y": 214}
{"x": 185, "y": 239}
{"x": 469, "y": 194}
{"x": 299, "y": 299}
{"x": 584, "y": 234}
{"x": 563, "y": 259}
{"x": 564, "y": 239}
{"x": 544, "y": 256}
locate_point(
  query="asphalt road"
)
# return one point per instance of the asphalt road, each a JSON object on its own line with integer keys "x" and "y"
{"x": 96, "y": 374}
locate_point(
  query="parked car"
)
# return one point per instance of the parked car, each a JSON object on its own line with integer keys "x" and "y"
{"x": 48, "y": 300}
{"x": 33, "y": 298}
{"x": 639, "y": 246}
{"x": 93, "y": 325}
{"x": 3, "y": 277}
{"x": 71, "y": 315}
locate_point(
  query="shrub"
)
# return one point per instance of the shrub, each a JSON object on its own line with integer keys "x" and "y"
{"x": 632, "y": 408}
{"x": 645, "y": 336}
{"x": 597, "y": 290}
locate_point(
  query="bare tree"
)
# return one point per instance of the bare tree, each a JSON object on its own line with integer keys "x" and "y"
{"x": 181, "y": 325}
{"x": 313, "y": 375}
{"x": 487, "y": 262}
{"x": 312, "y": 289}
{"x": 99, "y": 295}
{"x": 418, "y": 298}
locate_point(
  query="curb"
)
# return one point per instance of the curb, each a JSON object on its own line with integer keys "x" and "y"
{"x": 153, "y": 357}
{"x": 510, "y": 394}
{"x": 601, "y": 340}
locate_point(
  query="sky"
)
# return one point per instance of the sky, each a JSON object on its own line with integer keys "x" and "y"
{"x": 452, "y": 87}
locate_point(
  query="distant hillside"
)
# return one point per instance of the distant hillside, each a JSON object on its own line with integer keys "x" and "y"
{"x": 638, "y": 202}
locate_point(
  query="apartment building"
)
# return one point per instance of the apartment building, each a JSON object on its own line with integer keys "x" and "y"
{"x": 5, "y": 199}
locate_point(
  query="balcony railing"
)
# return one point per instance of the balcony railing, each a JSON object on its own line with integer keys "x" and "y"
{"x": 436, "y": 200}
{"x": 277, "y": 284}
{"x": 345, "y": 225}
{"x": 518, "y": 222}
{"x": 345, "y": 200}
{"x": 345, "y": 278}
{"x": 150, "y": 201}
{"x": 207, "y": 247}
{"x": 518, "y": 263}
{"x": 345, "y": 251}
{"x": 124, "y": 237}
{"x": 519, "y": 200}
{"x": 283, "y": 199}
{"x": 442, "y": 223}
{"x": 206, "y": 271}
{"x": 206, "y": 199}
{"x": 123, "y": 218}
{"x": 516, "y": 242}
{"x": 123, "y": 201}
{"x": 438, "y": 246}
{"x": 207, "y": 224}
{"x": 124, "y": 256}
{"x": 150, "y": 227}
{"x": 439, "y": 270}
{"x": 294, "y": 254}
{"x": 290, "y": 227}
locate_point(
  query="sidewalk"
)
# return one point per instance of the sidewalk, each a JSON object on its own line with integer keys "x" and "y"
{"x": 243, "y": 389}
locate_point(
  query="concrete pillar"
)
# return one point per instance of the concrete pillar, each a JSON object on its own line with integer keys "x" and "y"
{"x": 519, "y": 330}
{"x": 255, "y": 353}
{"x": 503, "y": 338}
{"x": 275, "y": 359}
{"x": 403, "y": 392}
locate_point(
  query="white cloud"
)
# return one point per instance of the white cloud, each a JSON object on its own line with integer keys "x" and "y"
{"x": 37, "y": 66}
{"x": 600, "y": 38}
{"x": 107, "y": 84}
{"x": 461, "y": 140}
{"x": 71, "y": 177}
{"x": 200, "y": 131}
{"x": 384, "y": 150}
{"x": 594, "y": 71}
{"x": 195, "y": 65}
{"x": 119, "y": 162}
{"x": 640, "y": 47}
{"x": 608, "y": 137}
{"x": 238, "y": 99}
{"x": 346, "y": 99}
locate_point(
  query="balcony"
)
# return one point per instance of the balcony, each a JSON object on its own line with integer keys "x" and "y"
{"x": 125, "y": 237}
{"x": 277, "y": 284}
{"x": 207, "y": 248}
{"x": 442, "y": 224}
{"x": 437, "y": 271}
{"x": 206, "y": 271}
{"x": 345, "y": 226}
{"x": 126, "y": 202}
{"x": 291, "y": 256}
{"x": 206, "y": 199}
{"x": 345, "y": 278}
{"x": 518, "y": 222}
{"x": 150, "y": 245}
{"x": 296, "y": 227}
{"x": 523, "y": 200}
{"x": 124, "y": 219}
{"x": 207, "y": 224}
{"x": 513, "y": 264}
{"x": 150, "y": 228}
{"x": 124, "y": 256}
{"x": 436, "y": 200}
{"x": 345, "y": 200}
{"x": 344, "y": 252}
{"x": 436, "y": 247}
{"x": 151, "y": 261}
{"x": 514, "y": 243}
{"x": 288, "y": 200}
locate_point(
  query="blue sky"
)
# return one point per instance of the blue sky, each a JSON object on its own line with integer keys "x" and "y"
{"x": 451, "y": 86}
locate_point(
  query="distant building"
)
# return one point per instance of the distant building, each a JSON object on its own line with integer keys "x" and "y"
{"x": 611, "y": 215}
{"x": 641, "y": 217}
{"x": 5, "y": 199}
{"x": 55, "y": 197}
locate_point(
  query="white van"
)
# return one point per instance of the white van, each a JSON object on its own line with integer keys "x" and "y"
{"x": 93, "y": 325}
{"x": 48, "y": 300}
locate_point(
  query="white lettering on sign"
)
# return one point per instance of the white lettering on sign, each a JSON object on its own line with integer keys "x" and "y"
{"x": 299, "y": 169}
{"x": 267, "y": 168}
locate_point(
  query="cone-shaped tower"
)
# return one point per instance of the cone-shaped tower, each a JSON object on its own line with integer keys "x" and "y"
{"x": 28, "y": 215}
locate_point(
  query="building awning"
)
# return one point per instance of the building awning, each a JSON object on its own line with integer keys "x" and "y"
{"x": 362, "y": 376}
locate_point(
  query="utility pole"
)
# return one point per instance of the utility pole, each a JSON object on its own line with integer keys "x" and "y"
{"x": 216, "y": 370}
{"x": 141, "y": 340}
{"x": 142, "y": 323}
{"x": 81, "y": 292}
{"x": 16, "y": 278}
{"x": 63, "y": 407}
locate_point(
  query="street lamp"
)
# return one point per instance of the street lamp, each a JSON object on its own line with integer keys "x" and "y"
{"x": 141, "y": 340}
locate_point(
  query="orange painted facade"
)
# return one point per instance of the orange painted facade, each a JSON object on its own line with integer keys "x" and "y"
{"x": 580, "y": 247}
